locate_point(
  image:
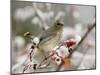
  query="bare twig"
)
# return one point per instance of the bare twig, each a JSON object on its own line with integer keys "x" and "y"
{"x": 25, "y": 68}
{"x": 86, "y": 34}
{"x": 31, "y": 55}
{"x": 28, "y": 57}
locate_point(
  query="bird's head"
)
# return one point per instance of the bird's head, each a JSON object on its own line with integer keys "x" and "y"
{"x": 59, "y": 24}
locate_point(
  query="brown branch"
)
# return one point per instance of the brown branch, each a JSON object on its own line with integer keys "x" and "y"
{"x": 31, "y": 55}
{"x": 28, "y": 57}
{"x": 25, "y": 68}
{"x": 85, "y": 35}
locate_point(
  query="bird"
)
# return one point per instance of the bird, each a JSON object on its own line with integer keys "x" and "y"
{"x": 49, "y": 38}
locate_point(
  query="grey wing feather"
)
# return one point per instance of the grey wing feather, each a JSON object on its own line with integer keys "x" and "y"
{"x": 47, "y": 36}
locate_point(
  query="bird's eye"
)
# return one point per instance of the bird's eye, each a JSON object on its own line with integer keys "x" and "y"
{"x": 60, "y": 24}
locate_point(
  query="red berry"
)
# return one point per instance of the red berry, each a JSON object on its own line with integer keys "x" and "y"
{"x": 70, "y": 43}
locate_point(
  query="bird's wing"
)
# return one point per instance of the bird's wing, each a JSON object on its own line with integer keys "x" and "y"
{"x": 47, "y": 36}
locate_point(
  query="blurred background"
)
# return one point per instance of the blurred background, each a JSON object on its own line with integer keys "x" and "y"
{"x": 34, "y": 16}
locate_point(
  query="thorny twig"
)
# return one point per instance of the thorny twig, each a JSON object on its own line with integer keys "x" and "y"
{"x": 74, "y": 49}
{"x": 30, "y": 58}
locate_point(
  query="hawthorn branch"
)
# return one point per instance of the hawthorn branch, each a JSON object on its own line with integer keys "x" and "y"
{"x": 90, "y": 27}
{"x": 86, "y": 34}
